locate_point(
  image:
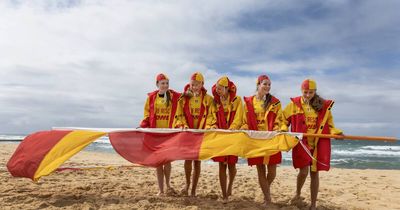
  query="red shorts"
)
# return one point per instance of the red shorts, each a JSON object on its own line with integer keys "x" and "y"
{"x": 230, "y": 159}
{"x": 273, "y": 160}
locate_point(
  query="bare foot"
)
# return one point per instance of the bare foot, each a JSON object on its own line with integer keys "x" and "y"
{"x": 224, "y": 200}
{"x": 185, "y": 191}
{"x": 171, "y": 191}
{"x": 267, "y": 202}
{"x": 313, "y": 208}
{"x": 297, "y": 200}
{"x": 160, "y": 193}
{"x": 193, "y": 194}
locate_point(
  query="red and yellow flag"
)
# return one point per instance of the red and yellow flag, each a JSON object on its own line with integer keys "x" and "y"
{"x": 43, "y": 152}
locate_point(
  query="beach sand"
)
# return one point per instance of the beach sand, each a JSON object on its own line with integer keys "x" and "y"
{"x": 135, "y": 187}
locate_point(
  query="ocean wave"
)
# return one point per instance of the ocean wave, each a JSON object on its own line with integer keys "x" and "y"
{"x": 382, "y": 148}
{"x": 11, "y": 137}
{"x": 367, "y": 152}
{"x": 103, "y": 140}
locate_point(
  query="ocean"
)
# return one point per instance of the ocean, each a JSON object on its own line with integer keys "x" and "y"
{"x": 345, "y": 153}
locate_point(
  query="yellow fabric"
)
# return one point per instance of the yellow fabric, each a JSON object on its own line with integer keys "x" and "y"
{"x": 311, "y": 121}
{"x": 239, "y": 143}
{"x": 68, "y": 146}
{"x": 146, "y": 109}
{"x": 235, "y": 105}
{"x": 223, "y": 81}
{"x": 312, "y": 84}
{"x": 162, "y": 112}
{"x": 195, "y": 105}
{"x": 290, "y": 109}
{"x": 198, "y": 77}
{"x": 261, "y": 115}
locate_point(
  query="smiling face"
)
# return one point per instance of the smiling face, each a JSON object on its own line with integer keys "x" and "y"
{"x": 163, "y": 86}
{"x": 222, "y": 91}
{"x": 264, "y": 87}
{"x": 308, "y": 94}
{"x": 196, "y": 86}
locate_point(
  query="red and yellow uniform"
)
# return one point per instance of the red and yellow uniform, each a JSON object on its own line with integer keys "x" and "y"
{"x": 257, "y": 118}
{"x": 304, "y": 119}
{"x": 193, "y": 112}
{"x": 156, "y": 112}
{"x": 227, "y": 114}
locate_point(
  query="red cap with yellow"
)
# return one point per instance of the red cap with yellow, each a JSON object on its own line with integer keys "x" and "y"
{"x": 161, "y": 77}
{"x": 309, "y": 84}
{"x": 262, "y": 78}
{"x": 197, "y": 76}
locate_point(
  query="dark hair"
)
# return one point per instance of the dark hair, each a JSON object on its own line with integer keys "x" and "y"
{"x": 267, "y": 101}
{"x": 168, "y": 97}
{"x": 317, "y": 102}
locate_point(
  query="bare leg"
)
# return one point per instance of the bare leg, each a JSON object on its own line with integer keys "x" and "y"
{"x": 314, "y": 189}
{"x": 271, "y": 173}
{"x": 301, "y": 178}
{"x": 232, "y": 174}
{"x": 196, "y": 175}
{"x": 222, "y": 181}
{"x": 160, "y": 179}
{"x": 188, "y": 173}
{"x": 262, "y": 180}
{"x": 167, "y": 174}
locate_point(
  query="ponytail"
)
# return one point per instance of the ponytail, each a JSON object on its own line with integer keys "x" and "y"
{"x": 317, "y": 102}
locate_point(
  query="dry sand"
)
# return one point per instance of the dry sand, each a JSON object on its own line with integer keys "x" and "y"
{"x": 135, "y": 187}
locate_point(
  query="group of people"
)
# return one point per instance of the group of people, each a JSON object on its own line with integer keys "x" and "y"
{"x": 195, "y": 109}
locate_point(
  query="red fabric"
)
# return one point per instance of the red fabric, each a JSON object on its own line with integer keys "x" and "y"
{"x": 161, "y": 77}
{"x": 186, "y": 108}
{"x": 31, "y": 151}
{"x": 305, "y": 85}
{"x": 151, "y": 121}
{"x": 156, "y": 149}
{"x": 298, "y": 124}
{"x": 229, "y": 159}
{"x": 252, "y": 123}
{"x": 261, "y": 78}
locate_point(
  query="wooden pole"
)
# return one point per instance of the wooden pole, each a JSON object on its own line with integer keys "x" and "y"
{"x": 369, "y": 138}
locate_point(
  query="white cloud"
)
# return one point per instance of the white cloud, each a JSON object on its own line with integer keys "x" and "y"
{"x": 91, "y": 63}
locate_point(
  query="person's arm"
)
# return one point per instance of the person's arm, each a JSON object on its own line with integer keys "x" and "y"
{"x": 211, "y": 121}
{"x": 244, "y": 126}
{"x": 332, "y": 128}
{"x": 285, "y": 116}
{"x": 278, "y": 118}
{"x": 180, "y": 120}
{"x": 145, "y": 123}
{"x": 238, "y": 118}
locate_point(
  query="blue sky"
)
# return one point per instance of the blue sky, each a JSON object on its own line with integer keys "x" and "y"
{"x": 91, "y": 63}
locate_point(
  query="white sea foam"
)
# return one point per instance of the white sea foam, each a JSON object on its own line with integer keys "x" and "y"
{"x": 11, "y": 137}
{"x": 366, "y": 152}
{"x": 382, "y": 148}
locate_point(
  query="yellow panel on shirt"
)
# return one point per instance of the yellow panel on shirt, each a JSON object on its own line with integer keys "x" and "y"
{"x": 195, "y": 105}
{"x": 225, "y": 104}
{"x": 162, "y": 112}
{"x": 260, "y": 113}
{"x": 311, "y": 120}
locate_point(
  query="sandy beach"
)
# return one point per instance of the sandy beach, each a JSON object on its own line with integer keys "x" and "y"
{"x": 135, "y": 187}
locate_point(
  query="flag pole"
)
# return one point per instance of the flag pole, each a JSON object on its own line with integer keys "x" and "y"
{"x": 346, "y": 137}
